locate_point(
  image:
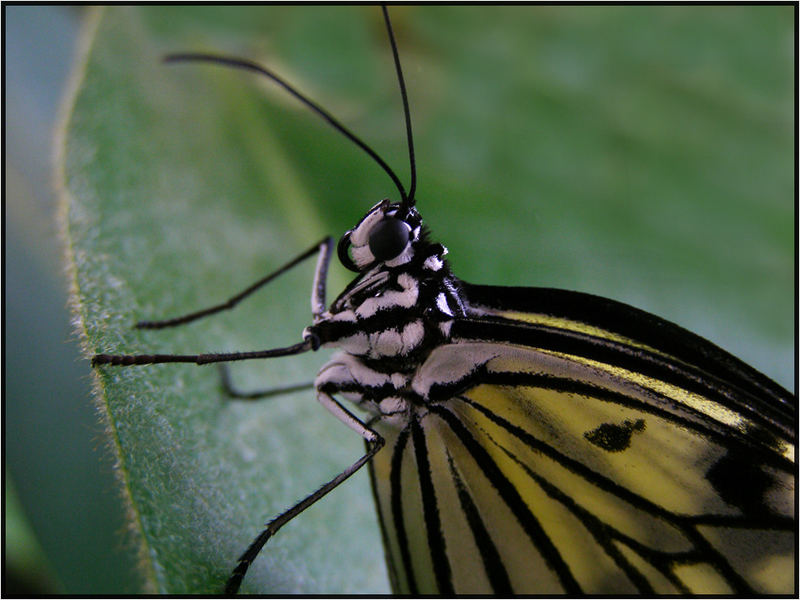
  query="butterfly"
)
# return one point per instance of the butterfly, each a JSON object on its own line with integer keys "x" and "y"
{"x": 533, "y": 440}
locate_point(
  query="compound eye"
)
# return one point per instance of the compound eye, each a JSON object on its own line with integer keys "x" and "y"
{"x": 388, "y": 239}
{"x": 343, "y": 249}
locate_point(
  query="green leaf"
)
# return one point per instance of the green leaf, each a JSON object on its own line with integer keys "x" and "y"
{"x": 642, "y": 153}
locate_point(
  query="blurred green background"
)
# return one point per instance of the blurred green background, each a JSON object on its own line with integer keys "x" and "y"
{"x": 641, "y": 153}
{"x": 63, "y": 514}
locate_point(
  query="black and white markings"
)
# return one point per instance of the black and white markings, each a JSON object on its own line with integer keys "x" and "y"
{"x": 392, "y": 316}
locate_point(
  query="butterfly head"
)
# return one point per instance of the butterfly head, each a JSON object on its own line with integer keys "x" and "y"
{"x": 387, "y": 234}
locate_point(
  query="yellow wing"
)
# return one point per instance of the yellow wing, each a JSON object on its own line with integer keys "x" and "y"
{"x": 556, "y": 471}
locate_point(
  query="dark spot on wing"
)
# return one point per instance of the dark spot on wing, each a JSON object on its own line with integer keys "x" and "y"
{"x": 741, "y": 481}
{"x": 612, "y": 437}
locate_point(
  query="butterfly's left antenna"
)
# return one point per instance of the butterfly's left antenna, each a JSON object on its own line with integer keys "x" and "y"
{"x": 410, "y": 200}
{"x": 248, "y": 65}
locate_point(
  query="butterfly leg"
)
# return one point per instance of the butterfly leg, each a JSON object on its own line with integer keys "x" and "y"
{"x": 233, "y": 392}
{"x": 126, "y": 360}
{"x": 323, "y": 247}
{"x": 318, "y": 292}
{"x": 374, "y": 443}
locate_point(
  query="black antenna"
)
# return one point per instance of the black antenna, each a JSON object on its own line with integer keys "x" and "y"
{"x": 248, "y": 65}
{"x": 410, "y": 201}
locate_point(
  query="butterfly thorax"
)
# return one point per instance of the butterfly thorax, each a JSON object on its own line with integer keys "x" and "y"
{"x": 389, "y": 319}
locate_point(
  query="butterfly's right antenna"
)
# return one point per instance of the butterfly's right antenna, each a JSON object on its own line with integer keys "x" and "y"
{"x": 248, "y": 65}
{"x": 410, "y": 200}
